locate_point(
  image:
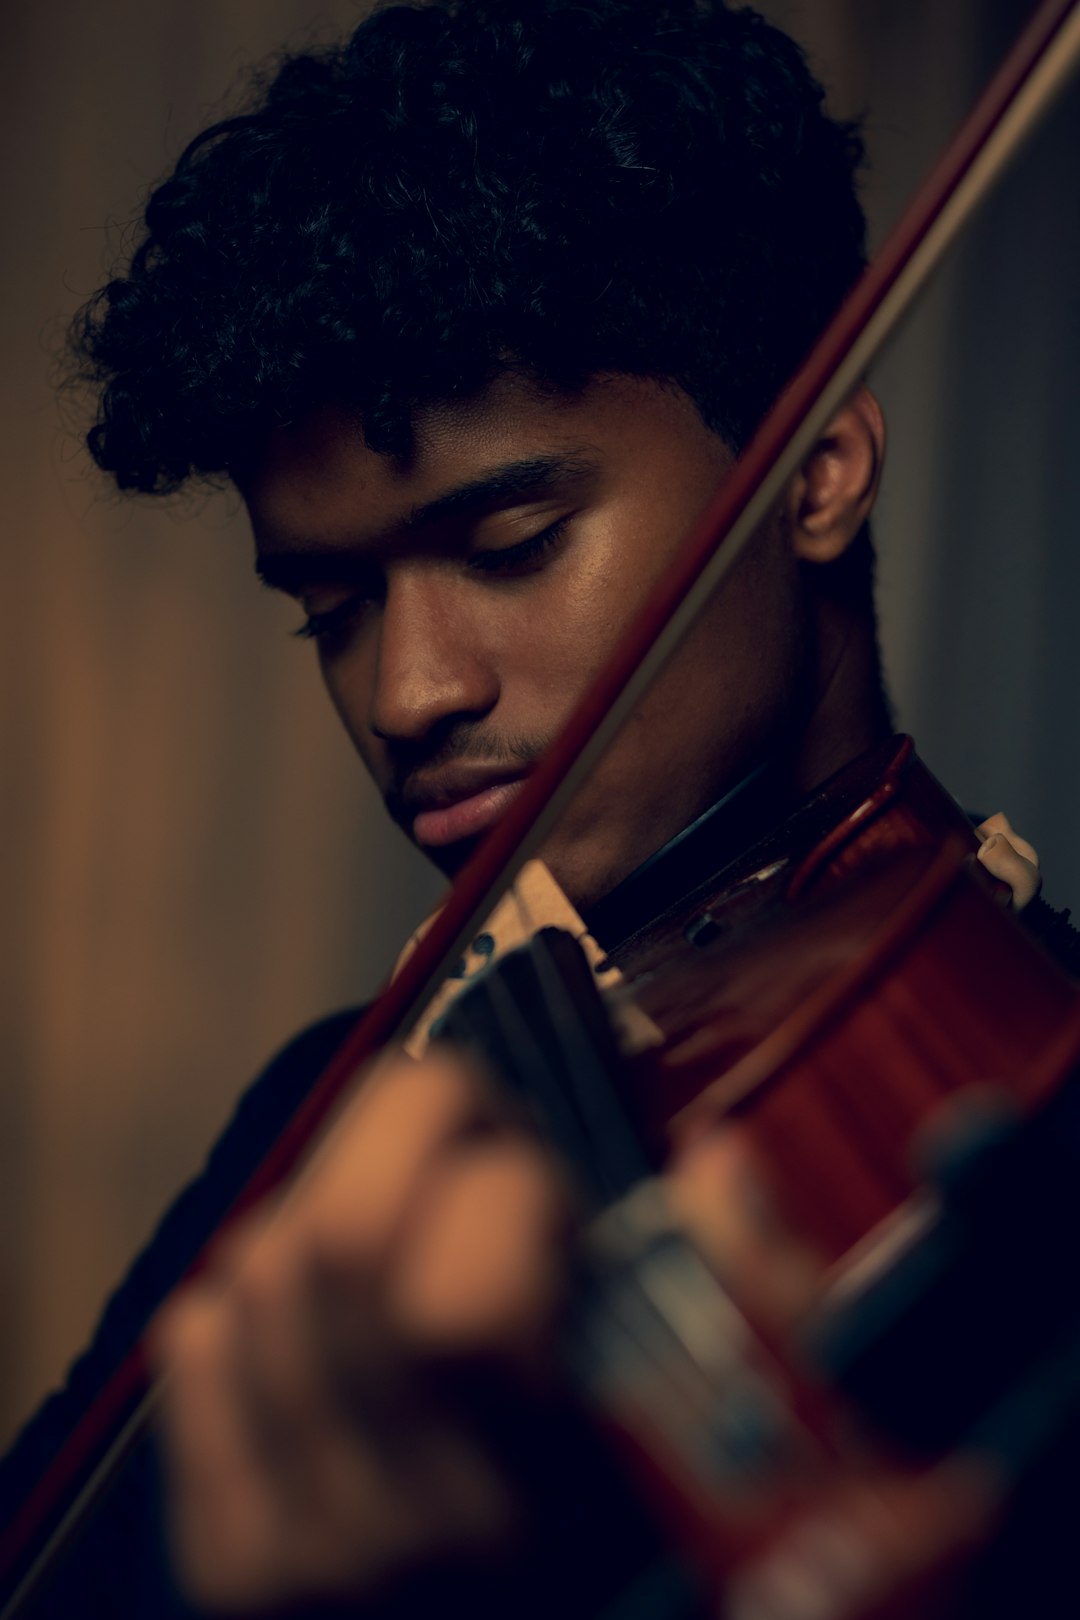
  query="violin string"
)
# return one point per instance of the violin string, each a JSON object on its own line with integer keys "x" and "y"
{"x": 629, "y": 1316}
{"x": 680, "y": 1388}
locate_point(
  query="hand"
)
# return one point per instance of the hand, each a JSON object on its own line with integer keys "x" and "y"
{"x": 1009, "y": 858}
{"x": 328, "y": 1379}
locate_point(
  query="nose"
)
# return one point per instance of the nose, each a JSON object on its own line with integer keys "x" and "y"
{"x": 431, "y": 666}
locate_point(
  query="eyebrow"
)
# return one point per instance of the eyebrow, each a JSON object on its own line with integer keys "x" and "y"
{"x": 285, "y": 570}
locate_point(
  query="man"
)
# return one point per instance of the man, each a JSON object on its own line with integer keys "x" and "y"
{"x": 475, "y": 312}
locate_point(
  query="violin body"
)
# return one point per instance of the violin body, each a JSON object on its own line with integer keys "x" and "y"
{"x": 848, "y": 974}
{"x": 854, "y": 1004}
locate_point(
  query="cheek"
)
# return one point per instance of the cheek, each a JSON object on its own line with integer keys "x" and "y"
{"x": 753, "y": 637}
{"x": 570, "y": 629}
{"x": 549, "y": 640}
{"x": 721, "y": 698}
{"x": 349, "y": 680}
{"x": 752, "y": 629}
{"x": 730, "y": 687}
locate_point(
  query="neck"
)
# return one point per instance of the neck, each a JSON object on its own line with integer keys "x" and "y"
{"x": 849, "y": 711}
{"x": 847, "y": 715}
{"x": 693, "y": 856}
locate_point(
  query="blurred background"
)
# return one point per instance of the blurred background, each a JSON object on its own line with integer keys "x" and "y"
{"x": 193, "y": 864}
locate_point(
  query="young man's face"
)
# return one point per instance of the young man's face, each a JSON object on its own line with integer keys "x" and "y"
{"x": 463, "y": 600}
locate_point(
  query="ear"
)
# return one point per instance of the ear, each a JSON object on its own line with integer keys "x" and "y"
{"x": 830, "y": 499}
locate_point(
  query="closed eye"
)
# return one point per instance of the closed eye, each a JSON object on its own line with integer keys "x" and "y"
{"x": 512, "y": 559}
{"x": 322, "y": 626}
{"x": 499, "y": 560}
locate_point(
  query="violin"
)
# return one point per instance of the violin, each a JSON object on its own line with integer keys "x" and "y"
{"x": 727, "y": 1055}
{"x": 822, "y": 1002}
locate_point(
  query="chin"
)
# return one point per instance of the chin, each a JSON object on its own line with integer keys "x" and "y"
{"x": 582, "y": 881}
{"x": 449, "y": 859}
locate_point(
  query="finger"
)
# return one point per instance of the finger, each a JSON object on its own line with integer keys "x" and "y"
{"x": 1005, "y": 862}
{"x": 272, "y": 1495}
{"x": 281, "y": 1487}
{"x": 999, "y": 823}
{"x": 362, "y": 1185}
{"x": 382, "y": 1475}
{"x": 484, "y": 1268}
{"x": 221, "y": 1517}
{"x": 277, "y": 1360}
{"x": 722, "y": 1195}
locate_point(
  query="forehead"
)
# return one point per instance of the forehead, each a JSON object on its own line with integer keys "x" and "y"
{"x": 318, "y": 479}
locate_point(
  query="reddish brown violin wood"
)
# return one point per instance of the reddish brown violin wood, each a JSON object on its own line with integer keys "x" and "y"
{"x": 867, "y": 980}
{"x": 833, "y": 1022}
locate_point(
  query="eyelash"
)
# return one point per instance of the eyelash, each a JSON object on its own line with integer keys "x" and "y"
{"x": 526, "y": 551}
{"x": 319, "y": 626}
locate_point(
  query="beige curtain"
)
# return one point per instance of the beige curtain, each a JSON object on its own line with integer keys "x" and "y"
{"x": 193, "y": 866}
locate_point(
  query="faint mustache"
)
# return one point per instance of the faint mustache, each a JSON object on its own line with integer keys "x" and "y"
{"x": 463, "y": 744}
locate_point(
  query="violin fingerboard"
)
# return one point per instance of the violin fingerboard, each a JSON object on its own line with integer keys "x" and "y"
{"x": 537, "y": 1019}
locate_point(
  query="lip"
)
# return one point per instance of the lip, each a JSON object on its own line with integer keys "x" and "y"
{"x": 460, "y": 803}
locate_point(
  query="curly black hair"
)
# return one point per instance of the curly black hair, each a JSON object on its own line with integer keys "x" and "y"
{"x": 464, "y": 186}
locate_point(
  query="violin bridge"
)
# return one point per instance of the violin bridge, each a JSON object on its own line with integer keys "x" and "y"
{"x": 533, "y": 903}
